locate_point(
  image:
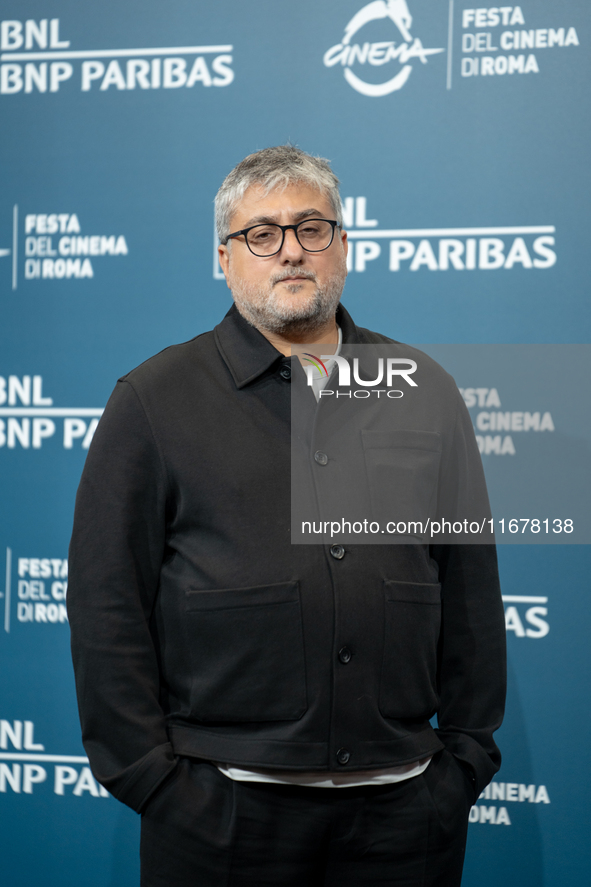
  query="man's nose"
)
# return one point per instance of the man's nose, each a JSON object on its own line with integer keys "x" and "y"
{"x": 291, "y": 251}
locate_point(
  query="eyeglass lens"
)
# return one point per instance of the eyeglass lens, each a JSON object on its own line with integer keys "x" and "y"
{"x": 313, "y": 235}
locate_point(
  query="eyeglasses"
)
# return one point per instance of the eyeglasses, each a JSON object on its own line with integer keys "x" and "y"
{"x": 313, "y": 235}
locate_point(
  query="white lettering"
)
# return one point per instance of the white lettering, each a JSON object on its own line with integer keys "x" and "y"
{"x": 32, "y": 774}
{"x": 533, "y": 616}
{"x": 86, "y": 782}
{"x": 137, "y": 72}
{"x": 424, "y": 256}
{"x": 42, "y": 429}
{"x": 490, "y": 252}
{"x": 37, "y": 33}
{"x": 365, "y": 251}
{"x": 450, "y": 250}
{"x": 64, "y": 776}
{"x": 11, "y": 34}
{"x": 54, "y": 39}
{"x": 113, "y": 77}
{"x": 513, "y": 622}
{"x": 36, "y": 77}
{"x": 10, "y": 775}
{"x": 399, "y": 251}
{"x": 91, "y": 71}
{"x": 518, "y": 253}
{"x": 220, "y": 67}
{"x": 38, "y": 399}
{"x": 361, "y": 219}
{"x": 199, "y": 73}
{"x": 73, "y": 428}
{"x": 175, "y": 73}
{"x": 58, "y": 72}
{"x": 13, "y": 733}
{"x": 11, "y": 79}
{"x": 542, "y": 795}
{"x": 556, "y": 38}
{"x": 517, "y": 17}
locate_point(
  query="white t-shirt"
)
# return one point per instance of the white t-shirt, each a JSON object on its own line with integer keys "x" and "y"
{"x": 330, "y": 779}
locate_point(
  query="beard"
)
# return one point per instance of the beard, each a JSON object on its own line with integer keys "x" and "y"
{"x": 267, "y": 309}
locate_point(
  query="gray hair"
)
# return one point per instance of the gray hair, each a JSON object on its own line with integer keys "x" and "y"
{"x": 274, "y": 168}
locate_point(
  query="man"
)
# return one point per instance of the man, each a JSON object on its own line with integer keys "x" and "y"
{"x": 264, "y": 705}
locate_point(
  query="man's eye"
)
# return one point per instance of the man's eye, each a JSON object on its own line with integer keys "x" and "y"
{"x": 265, "y": 234}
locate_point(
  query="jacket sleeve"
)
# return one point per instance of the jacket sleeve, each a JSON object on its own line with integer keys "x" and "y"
{"x": 472, "y": 644}
{"x": 114, "y": 566}
{"x": 472, "y": 669}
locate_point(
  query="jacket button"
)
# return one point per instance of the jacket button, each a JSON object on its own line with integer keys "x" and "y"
{"x": 285, "y": 372}
{"x": 343, "y": 756}
{"x": 321, "y": 458}
{"x": 345, "y": 655}
{"x": 337, "y": 551}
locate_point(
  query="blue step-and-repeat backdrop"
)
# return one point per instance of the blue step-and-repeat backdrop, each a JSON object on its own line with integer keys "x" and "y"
{"x": 461, "y": 136}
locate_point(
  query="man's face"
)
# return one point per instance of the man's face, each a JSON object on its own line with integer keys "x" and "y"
{"x": 293, "y": 292}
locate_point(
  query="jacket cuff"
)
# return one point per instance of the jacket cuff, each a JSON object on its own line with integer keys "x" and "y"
{"x": 471, "y": 753}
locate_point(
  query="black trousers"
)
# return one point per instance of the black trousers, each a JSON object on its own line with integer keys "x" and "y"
{"x": 201, "y": 829}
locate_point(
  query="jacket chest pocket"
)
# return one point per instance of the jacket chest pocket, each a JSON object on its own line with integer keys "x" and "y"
{"x": 246, "y": 652}
{"x": 408, "y": 686}
{"x": 403, "y": 472}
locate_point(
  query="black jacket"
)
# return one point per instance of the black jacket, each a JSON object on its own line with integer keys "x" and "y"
{"x": 199, "y": 629}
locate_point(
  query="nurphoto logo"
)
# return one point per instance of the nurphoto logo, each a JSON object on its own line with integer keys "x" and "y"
{"x": 401, "y": 367}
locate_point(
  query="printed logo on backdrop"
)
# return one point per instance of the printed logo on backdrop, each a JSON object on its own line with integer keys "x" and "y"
{"x": 509, "y": 793}
{"x": 34, "y": 58}
{"x": 358, "y": 57}
{"x": 28, "y": 418}
{"x": 526, "y": 615}
{"x": 489, "y": 41}
{"x": 531, "y": 247}
{"x": 496, "y": 428}
{"x": 54, "y": 246}
{"x": 444, "y": 249}
{"x": 35, "y": 591}
{"x": 504, "y": 40}
{"x": 26, "y": 768}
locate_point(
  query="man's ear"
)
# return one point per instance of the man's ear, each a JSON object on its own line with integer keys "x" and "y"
{"x": 224, "y": 257}
{"x": 345, "y": 242}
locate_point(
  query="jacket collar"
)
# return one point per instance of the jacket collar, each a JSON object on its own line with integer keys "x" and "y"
{"x": 248, "y": 354}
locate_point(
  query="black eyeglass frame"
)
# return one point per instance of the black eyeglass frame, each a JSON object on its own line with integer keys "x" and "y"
{"x": 334, "y": 224}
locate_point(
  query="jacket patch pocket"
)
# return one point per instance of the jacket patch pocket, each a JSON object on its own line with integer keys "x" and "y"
{"x": 408, "y": 686}
{"x": 402, "y": 472}
{"x": 247, "y": 653}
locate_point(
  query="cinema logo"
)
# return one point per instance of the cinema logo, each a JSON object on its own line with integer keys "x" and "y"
{"x": 28, "y": 418}
{"x": 388, "y": 369}
{"x": 34, "y": 59}
{"x": 25, "y": 766}
{"x": 399, "y": 53}
{"x": 39, "y": 590}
